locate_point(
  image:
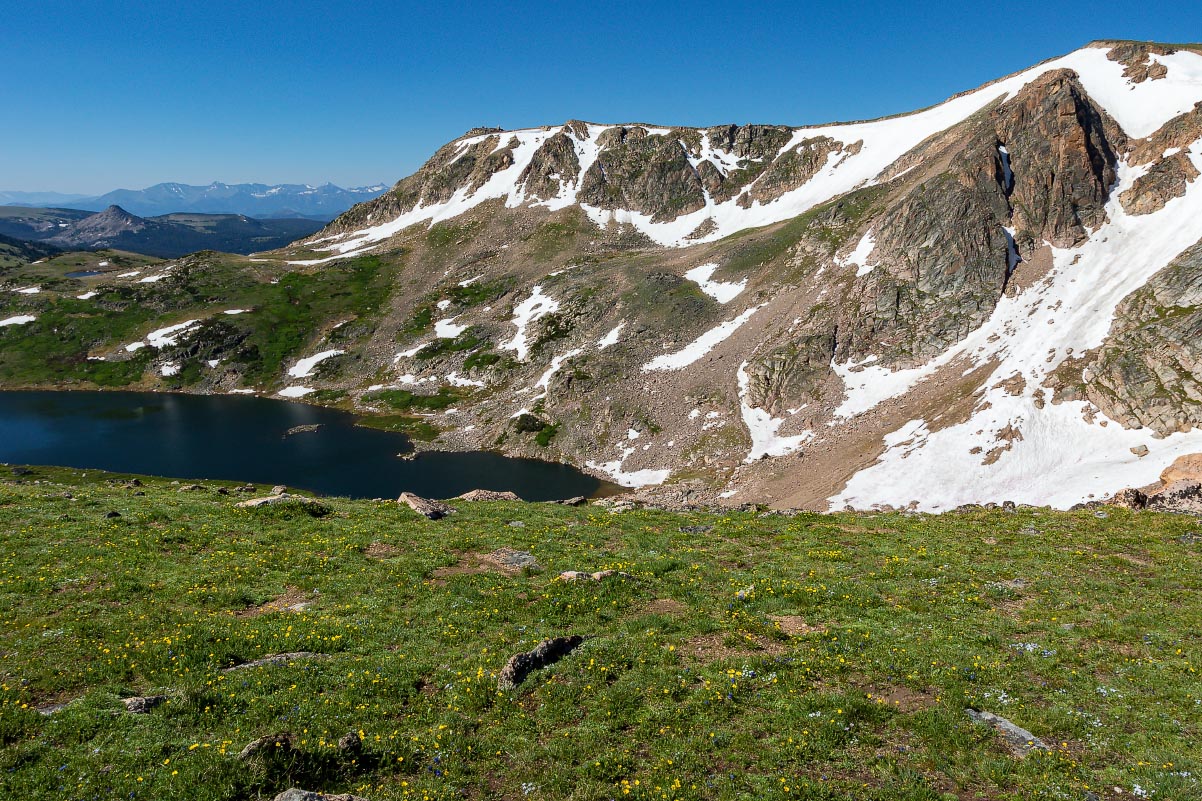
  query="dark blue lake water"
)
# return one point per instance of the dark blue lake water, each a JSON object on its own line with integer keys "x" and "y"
{"x": 242, "y": 438}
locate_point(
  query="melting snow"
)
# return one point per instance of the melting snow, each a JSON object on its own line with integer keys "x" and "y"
{"x": 763, "y": 427}
{"x": 29, "y": 290}
{"x": 235, "y": 311}
{"x": 859, "y": 257}
{"x": 721, "y": 291}
{"x": 295, "y": 392}
{"x": 168, "y": 370}
{"x": 1064, "y": 451}
{"x": 529, "y": 310}
{"x": 544, "y": 383}
{"x": 304, "y": 367}
{"x": 86, "y": 295}
{"x": 611, "y": 338}
{"x": 455, "y": 380}
{"x": 169, "y": 335}
{"x": 699, "y": 346}
{"x": 631, "y": 478}
{"x": 446, "y": 329}
{"x": 20, "y": 319}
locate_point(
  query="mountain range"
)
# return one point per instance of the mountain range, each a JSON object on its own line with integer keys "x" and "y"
{"x": 166, "y": 236}
{"x": 252, "y": 200}
{"x": 995, "y": 298}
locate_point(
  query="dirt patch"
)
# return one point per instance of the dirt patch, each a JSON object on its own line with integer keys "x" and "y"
{"x": 901, "y": 698}
{"x": 1135, "y": 560}
{"x": 505, "y": 561}
{"x": 294, "y": 600}
{"x": 715, "y": 647}
{"x": 666, "y": 606}
{"x": 795, "y": 625}
{"x": 381, "y": 550}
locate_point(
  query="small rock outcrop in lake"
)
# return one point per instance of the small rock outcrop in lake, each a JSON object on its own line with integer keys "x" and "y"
{"x": 431, "y": 510}
{"x": 305, "y": 429}
{"x": 547, "y": 652}
{"x": 488, "y": 495}
{"x": 1020, "y": 741}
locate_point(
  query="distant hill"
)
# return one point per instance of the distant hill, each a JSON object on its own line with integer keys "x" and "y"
{"x": 254, "y": 200}
{"x": 166, "y": 236}
{"x": 17, "y": 251}
{"x": 39, "y": 198}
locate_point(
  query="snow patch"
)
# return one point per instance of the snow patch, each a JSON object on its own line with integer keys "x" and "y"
{"x": 526, "y": 312}
{"x": 20, "y": 319}
{"x": 304, "y": 367}
{"x": 294, "y": 392}
{"x": 721, "y": 291}
{"x": 701, "y": 345}
{"x": 611, "y": 338}
{"x": 629, "y": 478}
{"x": 446, "y": 329}
{"x": 763, "y": 427}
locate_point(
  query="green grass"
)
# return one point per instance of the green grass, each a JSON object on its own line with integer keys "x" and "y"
{"x": 404, "y": 400}
{"x": 284, "y": 316}
{"x": 414, "y": 427}
{"x": 1083, "y": 630}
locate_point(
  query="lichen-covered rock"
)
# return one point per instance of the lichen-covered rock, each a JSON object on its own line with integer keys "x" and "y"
{"x": 547, "y": 652}
{"x": 429, "y": 509}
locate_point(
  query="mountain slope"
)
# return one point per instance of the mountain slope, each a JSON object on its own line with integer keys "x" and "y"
{"x": 994, "y": 298}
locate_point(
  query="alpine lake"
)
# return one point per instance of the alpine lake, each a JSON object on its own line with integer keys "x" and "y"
{"x": 260, "y": 440}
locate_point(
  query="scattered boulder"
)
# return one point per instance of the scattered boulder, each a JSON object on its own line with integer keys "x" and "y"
{"x": 1020, "y": 741}
{"x": 431, "y": 510}
{"x": 269, "y": 745}
{"x": 112, "y": 515}
{"x": 1185, "y": 468}
{"x": 295, "y": 794}
{"x": 577, "y": 500}
{"x": 488, "y": 495}
{"x": 301, "y": 502}
{"x": 1129, "y": 498}
{"x": 509, "y": 559}
{"x": 1140, "y": 450}
{"x": 191, "y": 488}
{"x": 350, "y": 744}
{"x": 246, "y": 488}
{"x": 279, "y": 489}
{"x": 1181, "y": 497}
{"x": 547, "y": 652}
{"x": 696, "y": 529}
{"x": 600, "y": 575}
{"x": 142, "y": 704}
{"x": 274, "y": 659}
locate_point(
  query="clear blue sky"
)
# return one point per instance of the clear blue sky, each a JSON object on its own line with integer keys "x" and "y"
{"x": 98, "y": 95}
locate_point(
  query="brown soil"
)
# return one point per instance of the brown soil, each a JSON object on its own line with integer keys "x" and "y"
{"x": 795, "y": 625}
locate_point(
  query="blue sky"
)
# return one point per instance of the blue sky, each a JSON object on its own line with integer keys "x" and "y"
{"x": 100, "y": 95}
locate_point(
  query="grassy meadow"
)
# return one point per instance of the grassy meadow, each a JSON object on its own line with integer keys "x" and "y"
{"x": 740, "y": 657}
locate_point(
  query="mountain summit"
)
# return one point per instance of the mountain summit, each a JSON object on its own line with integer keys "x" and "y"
{"x": 959, "y": 304}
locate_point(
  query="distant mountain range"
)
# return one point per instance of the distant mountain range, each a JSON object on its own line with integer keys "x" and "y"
{"x": 253, "y": 200}
{"x": 166, "y": 236}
